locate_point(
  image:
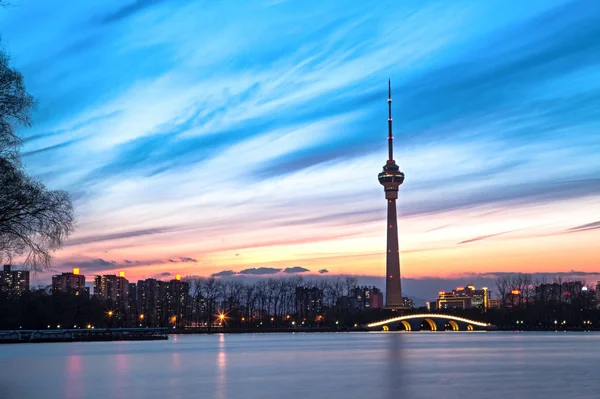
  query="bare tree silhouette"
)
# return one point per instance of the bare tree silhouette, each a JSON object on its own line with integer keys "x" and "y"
{"x": 34, "y": 221}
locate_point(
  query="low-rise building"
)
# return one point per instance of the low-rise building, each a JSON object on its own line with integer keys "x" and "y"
{"x": 376, "y": 298}
{"x": 494, "y": 303}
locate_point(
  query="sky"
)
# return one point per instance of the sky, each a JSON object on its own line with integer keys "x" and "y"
{"x": 245, "y": 138}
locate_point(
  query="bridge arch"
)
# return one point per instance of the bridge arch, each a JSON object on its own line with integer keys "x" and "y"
{"x": 453, "y": 325}
{"x": 430, "y": 323}
{"x": 406, "y": 325}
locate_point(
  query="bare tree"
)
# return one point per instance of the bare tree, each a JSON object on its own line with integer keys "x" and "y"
{"x": 503, "y": 285}
{"x": 275, "y": 288}
{"x": 15, "y": 108}
{"x": 542, "y": 289}
{"x": 34, "y": 221}
{"x": 349, "y": 283}
{"x": 249, "y": 301}
{"x": 210, "y": 289}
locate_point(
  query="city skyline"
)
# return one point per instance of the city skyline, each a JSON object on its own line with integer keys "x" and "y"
{"x": 167, "y": 135}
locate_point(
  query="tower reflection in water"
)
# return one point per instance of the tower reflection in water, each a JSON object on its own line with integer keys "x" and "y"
{"x": 396, "y": 382}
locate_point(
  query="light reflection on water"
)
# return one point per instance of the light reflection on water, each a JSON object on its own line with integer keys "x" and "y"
{"x": 357, "y": 365}
{"x": 221, "y": 389}
{"x": 73, "y": 376}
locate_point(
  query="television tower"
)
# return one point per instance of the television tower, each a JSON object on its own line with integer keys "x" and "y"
{"x": 391, "y": 178}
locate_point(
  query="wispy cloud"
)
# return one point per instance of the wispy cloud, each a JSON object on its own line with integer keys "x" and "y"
{"x": 183, "y": 259}
{"x": 133, "y": 7}
{"x": 295, "y": 269}
{"x": 113, "y": 236}
{"x": 93, "y": 265}
{"x": 585, "y": 227}
{"x": 260, "y": 271}
{"x": 484, "y": 237}
{"x": 224, "y": 273}
{"x": 176, "y": 140}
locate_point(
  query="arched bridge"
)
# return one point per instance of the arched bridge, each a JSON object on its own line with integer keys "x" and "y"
{"x": 429, "y": 321}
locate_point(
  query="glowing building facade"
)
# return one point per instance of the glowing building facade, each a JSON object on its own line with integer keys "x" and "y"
{"x": 464, "y": 298}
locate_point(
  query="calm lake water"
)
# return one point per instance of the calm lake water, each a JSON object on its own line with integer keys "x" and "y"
{"x": 328, "y": 365}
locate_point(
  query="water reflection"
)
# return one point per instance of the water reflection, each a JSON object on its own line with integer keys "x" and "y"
{"x": 221, "y": 389}
{"x": 74, "y": 379}
{"x": 395, "y": 381}
{"x": 329, "y": 366}
{"x": 121, "y": 378}
{"x": 121, "y": 362}
{"x": 176, "y": 360}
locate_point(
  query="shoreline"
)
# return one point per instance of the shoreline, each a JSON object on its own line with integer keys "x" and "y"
{"x": 110, "y": 335}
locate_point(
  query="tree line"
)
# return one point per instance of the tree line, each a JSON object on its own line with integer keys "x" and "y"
{"x": 274, "y": 301}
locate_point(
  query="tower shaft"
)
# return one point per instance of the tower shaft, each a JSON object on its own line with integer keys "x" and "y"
{"x": 393, "y": 285}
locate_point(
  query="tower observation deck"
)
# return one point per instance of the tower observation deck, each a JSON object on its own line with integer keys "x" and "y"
{"x": 391, "y": 178}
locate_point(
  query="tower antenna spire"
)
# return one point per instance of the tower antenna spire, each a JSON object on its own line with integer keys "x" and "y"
{"x": 390, "y": 136}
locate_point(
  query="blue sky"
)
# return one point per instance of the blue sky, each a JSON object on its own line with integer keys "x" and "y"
{"x": 248, "y": 134}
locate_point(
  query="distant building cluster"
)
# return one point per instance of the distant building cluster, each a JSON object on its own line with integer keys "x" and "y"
{"x": 556, "y": 293}
{"x": 149, "y": 302}
{"x": 362, "y": 298}
{"x": 309, "y": 300}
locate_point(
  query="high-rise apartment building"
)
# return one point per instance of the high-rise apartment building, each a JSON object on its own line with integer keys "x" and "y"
{"x": 105, "y": 287}
{"x": 309, "y": 302}
{"x": 69, "y": 283}
{"x": 148, "y": 300}
{"x": 14, "y": 282}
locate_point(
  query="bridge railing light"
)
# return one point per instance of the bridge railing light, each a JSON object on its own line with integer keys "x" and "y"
{"x": 428, "y": 315}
